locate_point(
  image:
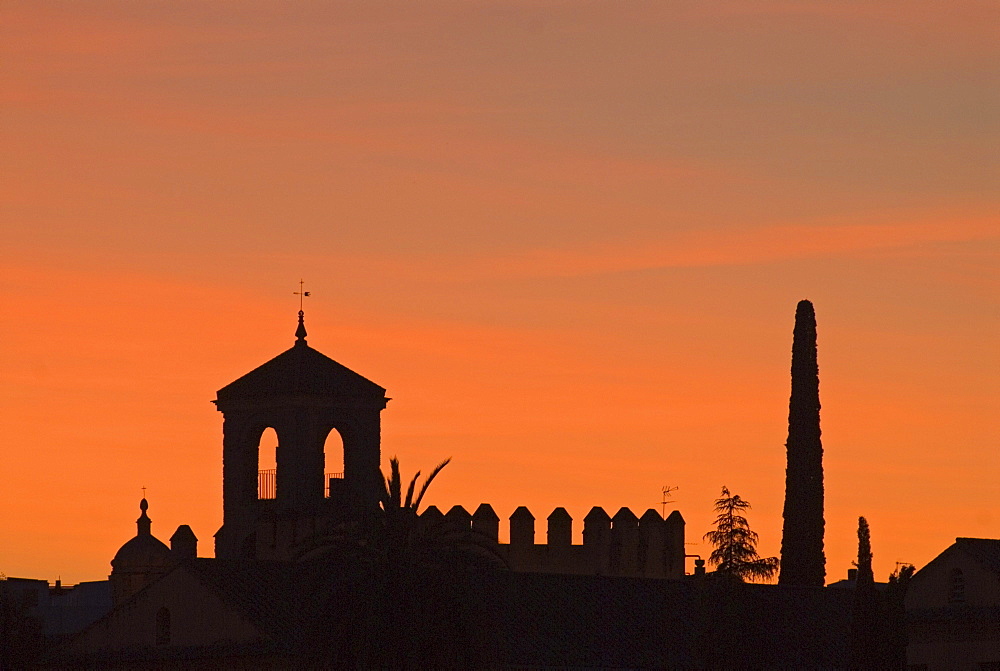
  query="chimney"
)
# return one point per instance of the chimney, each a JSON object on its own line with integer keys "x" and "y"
{"x": 184, "y": 544}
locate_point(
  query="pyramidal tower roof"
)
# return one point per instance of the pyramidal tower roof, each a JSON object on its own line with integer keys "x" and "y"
{"x": 301, "y": 371}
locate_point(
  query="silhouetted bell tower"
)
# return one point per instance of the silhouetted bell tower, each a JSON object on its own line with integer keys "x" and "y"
{"x": 303, "y": 395}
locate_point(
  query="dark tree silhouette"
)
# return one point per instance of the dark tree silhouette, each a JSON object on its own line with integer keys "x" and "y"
{"x": 867, "y": 632}
{"x": 735, "y": 552}
{"x": 866, "y": 575}
{"x": 418, "y": 599}
{"x": 896, "y": 637}
{"x": 392, "y": 501}
{"x": 405, "y": 536}
{"x": 802, "y": 558}
{"x": 392, "y": 532}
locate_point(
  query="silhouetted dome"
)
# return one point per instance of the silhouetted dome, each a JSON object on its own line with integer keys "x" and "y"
{"x": 142, "y": 551}
{"x": 145, "y": 550}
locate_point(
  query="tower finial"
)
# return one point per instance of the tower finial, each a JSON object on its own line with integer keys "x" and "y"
{"x": 300, "y": 332}
{"x": 143, "y": 523}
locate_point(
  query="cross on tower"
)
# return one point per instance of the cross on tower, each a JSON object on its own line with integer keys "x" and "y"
{"x": 301, "y": 293}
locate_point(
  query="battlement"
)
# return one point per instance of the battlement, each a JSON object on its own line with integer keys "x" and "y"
{"x": 623, "y": 545}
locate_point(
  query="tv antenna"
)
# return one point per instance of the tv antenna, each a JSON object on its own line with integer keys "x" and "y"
{"x": 667, "y": 491}
{"x": 901, "y": 564}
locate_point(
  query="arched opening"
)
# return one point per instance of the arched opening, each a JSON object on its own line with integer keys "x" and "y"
{"x": 267, "y": 464}
{"x": 333, "y": 465}
{"x": 163, "y": 626}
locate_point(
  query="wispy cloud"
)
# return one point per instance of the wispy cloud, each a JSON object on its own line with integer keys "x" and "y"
{"x": 765, "y": 244}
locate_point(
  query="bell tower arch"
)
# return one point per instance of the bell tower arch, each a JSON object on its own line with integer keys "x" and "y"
{"x": 303, "y": 396}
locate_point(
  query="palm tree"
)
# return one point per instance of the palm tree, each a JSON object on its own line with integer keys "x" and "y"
{"x": 735, "y": 552}
{"x": 405, "y": 537}
{"x": 400, "y": 536}
{"x": 395, "y": 523}
{"x": 419, "y": 599}
{"x": 392, "y": 501}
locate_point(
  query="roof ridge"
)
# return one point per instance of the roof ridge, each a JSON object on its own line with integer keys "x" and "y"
{"x": 302, "y": 370}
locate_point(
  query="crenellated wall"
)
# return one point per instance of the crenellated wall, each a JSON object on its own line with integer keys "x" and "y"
{"x": 623, "y": 545}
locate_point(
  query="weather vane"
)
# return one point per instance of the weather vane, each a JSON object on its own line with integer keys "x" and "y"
{"x": 301, "y": 293}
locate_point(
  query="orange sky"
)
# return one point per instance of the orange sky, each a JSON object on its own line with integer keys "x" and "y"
{"x": 567, "y": 237}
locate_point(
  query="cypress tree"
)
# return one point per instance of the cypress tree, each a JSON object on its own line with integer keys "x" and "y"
{"x": 802, "y": 558}
{"x": 867, "y": 635}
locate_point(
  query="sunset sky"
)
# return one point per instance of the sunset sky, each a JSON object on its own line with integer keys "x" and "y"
{"x": 567, "y": 237}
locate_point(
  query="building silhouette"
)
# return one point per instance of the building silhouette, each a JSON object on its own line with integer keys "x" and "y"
{"x": 303, "y": 396}
{"x": 280, "y": 558}
{"x": 303, "y": 577}
{"x": 953, "y": 608}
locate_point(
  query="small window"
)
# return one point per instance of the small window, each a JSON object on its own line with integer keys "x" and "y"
{"x": 956, "y": 586}
{"x": 267, "y": 464}
{"x": 163, "y": 627}
{"x": 333, "y": 464}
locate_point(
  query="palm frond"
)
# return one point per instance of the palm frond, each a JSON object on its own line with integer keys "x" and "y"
{"x": 409, "y": 490}
{"x": 394, "y": 483}
{"x": 427, "y": 482}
